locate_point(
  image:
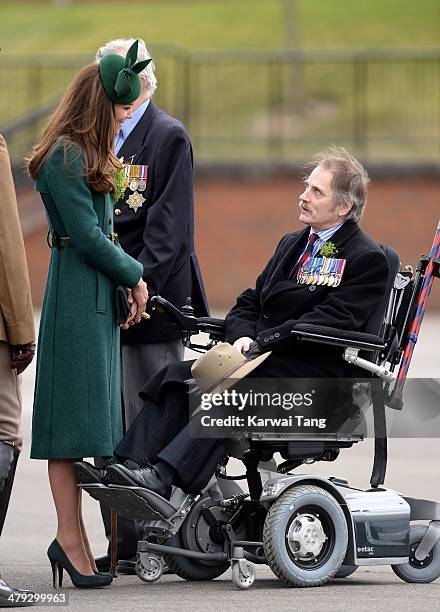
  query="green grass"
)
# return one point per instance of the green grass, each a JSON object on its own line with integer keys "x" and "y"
{"x": 248, "y": 103}
{"x": 41, "y": 27}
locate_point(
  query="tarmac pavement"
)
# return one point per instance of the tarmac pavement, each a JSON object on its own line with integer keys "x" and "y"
{"x": 412, "y": 470}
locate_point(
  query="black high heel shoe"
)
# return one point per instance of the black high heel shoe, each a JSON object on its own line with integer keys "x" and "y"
{"x": 59, "y": 562}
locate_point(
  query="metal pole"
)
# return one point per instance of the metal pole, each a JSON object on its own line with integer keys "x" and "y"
{"x": 418, "y": 317}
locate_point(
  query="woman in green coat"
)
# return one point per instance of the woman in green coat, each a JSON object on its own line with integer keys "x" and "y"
{"x": 77, "y": 409}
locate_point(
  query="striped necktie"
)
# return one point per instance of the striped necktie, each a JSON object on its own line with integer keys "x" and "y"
{"x": 304, "y": 257}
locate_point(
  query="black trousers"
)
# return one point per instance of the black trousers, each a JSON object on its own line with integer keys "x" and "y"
{"x": 161, "y": 432}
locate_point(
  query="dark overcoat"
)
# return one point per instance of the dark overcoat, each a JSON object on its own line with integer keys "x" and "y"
{"x": 269, "y": 311}
{"x": 77, "y": 410}
{"x": 161, "y": 233}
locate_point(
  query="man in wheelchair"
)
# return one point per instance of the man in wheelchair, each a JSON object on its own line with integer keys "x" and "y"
{"x": 330, "y": 275}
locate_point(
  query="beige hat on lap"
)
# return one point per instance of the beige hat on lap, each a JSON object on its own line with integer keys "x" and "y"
{"x": 222, "y": 366}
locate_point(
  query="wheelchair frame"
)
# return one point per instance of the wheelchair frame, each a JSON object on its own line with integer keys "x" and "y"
{"x": 375, "y": 524}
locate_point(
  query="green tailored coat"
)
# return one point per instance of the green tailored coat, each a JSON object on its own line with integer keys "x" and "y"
{"x": 77, "y": 410}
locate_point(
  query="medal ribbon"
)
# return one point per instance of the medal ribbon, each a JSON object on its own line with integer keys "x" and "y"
{"x": 341, "y": 267}
{"x": 324, "y": 270}
{"x": 318, "y": 264}
{"x": 135, "y": 171}
{"x": 143, "y": 171}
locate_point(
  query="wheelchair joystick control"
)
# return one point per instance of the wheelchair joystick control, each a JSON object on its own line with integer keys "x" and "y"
{"x": 188, "y": 309}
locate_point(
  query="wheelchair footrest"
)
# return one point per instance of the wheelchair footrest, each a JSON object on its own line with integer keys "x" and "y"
{"x": 132, "y": 502}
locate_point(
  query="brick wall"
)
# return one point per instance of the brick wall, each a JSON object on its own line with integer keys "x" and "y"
{"x": 239, "y": 223}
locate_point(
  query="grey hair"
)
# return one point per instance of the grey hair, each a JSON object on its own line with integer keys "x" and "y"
{"x": 350, "y": 179}
{"x": 121, "y": 46}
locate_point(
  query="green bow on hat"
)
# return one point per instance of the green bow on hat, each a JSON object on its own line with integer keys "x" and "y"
{"x": 120, "y": 77}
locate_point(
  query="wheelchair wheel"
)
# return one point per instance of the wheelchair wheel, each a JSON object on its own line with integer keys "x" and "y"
{"x": 423, "y": 571}
{"x": 345, "y": 571}
{"x": 305, "y": 536}
{"x": 201, "y": 531}
{"x": 150, "y": 572}
{"x": 240, "y": 580}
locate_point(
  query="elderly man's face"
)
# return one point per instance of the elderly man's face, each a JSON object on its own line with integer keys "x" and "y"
{"x": 317, "y": 204}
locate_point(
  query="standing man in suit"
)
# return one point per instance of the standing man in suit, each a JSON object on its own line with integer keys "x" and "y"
{"x": 17, "y": 343}
{"x": 154, "y": 220}
{"x": 331, "y": 273}
{"x": 155, "y": 223}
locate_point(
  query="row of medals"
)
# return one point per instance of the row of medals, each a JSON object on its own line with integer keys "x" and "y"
{"x": 137, "y": 185}
{"x": 332, "y": 280}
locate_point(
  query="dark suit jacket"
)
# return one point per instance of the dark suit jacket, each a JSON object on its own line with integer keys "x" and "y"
{"x": 161, "y": 233}
{"x": 277, "y": 303}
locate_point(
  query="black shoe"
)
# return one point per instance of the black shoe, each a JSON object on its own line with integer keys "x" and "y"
{"x": 86, "y": 473}
{"x": 60, "y": 561}
{"x": 133, "y": 465}
{"x": 103, "y": 563}
{"x": 15, "y": 598}
{"x": 126, "y": 566}
{"x": 148, "y": 478}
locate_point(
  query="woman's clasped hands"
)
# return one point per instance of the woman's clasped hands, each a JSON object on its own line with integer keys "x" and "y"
{"x": 137, "y": 298}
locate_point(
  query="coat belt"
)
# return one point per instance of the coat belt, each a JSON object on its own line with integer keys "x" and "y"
{"x": 60, "y": 242}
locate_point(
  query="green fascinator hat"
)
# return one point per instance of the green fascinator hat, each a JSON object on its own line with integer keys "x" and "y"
{"x": 120, "y": 76}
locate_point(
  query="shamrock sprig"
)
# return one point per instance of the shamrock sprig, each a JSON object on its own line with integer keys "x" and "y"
{"x": 328, "y": 249}
{"x": 120, "y": 185}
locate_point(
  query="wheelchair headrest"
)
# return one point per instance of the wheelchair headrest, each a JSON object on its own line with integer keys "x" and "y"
{"x": 374, "y": 323}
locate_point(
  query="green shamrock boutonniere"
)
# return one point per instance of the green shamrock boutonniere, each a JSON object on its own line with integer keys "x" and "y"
{"x": 328, "y": 249}
{"x": 120, "y": 185}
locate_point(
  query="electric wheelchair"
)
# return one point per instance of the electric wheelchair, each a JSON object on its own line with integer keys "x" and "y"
{"x": 308, "y": 529}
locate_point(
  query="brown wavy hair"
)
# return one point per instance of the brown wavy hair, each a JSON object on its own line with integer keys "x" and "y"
{"x": 84, "y": 117}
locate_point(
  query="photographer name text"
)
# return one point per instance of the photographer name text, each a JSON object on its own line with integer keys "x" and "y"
{"x": 290, "y": 421}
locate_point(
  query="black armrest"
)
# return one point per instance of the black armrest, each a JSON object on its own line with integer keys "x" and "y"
{"x": 210, "y": 325}
{"x": 183, "y": 322}
{"x": 188, "y": 323}
{"x": 338, "y": 337}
